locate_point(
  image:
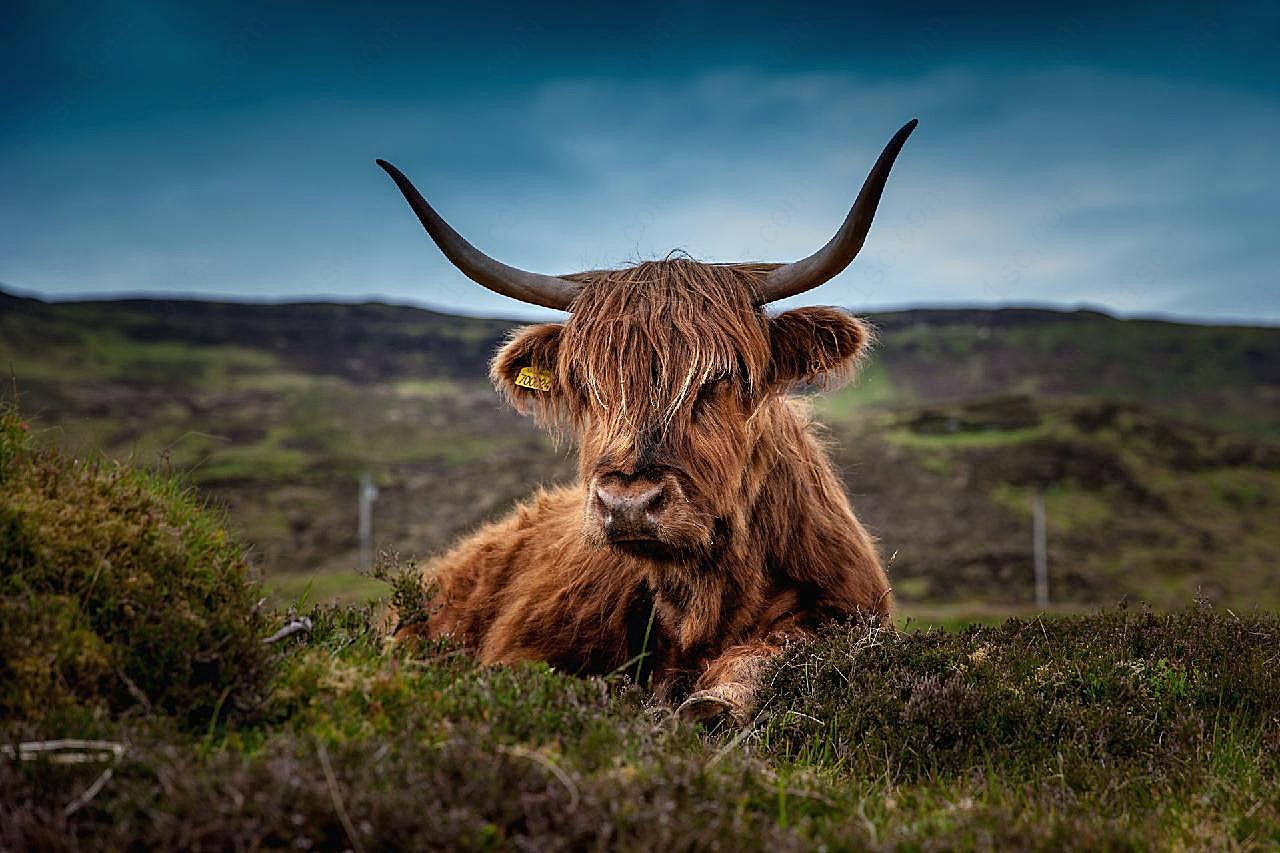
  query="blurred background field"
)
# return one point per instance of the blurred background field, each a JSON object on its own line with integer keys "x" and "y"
{"x": 1153, "y": 443}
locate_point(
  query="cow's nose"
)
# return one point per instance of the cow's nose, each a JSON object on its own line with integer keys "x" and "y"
{"x": 630, "y": 510}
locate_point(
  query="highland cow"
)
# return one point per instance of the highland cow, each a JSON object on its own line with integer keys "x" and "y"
{"x": 708, "y": 526}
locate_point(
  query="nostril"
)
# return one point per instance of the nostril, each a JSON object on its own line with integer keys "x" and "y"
{"x": 606, "y": 501}
{"x": 656, "y": 501}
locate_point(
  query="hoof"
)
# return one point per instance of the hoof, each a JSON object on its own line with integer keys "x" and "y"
{"x": 705, "y": 706}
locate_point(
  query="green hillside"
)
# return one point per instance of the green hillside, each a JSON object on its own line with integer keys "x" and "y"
{"x": 1223, "y": 376}
{"x": 140, "y": 708}
{"x": 1153, "y": 441}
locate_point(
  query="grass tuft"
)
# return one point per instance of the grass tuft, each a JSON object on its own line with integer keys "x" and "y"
{"x": 119, "y": 593}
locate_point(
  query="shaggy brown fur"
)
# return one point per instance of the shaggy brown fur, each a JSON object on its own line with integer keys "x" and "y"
{"x": 674, "y": 383}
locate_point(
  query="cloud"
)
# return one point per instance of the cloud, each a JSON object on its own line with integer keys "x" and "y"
{"x": 1061, "y": 185}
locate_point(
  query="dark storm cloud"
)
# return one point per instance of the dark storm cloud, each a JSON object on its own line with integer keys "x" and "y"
{"x": 1119, "y": 155}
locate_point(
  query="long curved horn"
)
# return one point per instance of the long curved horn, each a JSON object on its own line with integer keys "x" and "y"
{"x": 829, "y": 261}
{"x": 549, "y": 291}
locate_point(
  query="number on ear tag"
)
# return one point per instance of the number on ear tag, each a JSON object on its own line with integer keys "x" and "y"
{"x": 535, "y": 378}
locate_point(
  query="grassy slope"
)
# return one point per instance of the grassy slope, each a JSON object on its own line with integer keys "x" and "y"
{"x": 1227, "y": 377}
{"x": 275, "y": 410}
{"x": 1223, "y": 376}
{"x": 1138, "y": 506}
{"x": 1118, "y": 731}
{"x": 118, "y": 589}
{"x": 1123, "y": 729}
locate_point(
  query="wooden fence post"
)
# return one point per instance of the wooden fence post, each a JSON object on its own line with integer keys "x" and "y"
{"x": 368, "y": 492}
{"x": 1040, "y": 549}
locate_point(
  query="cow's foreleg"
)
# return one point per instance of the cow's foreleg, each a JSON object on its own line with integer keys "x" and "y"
{"x": 727, "y": 687}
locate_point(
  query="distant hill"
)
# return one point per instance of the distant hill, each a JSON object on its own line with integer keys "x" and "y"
{"x": 1153, "y": 442}
{"x": 365, "y": 342}
{"x": 1224, "y": 376}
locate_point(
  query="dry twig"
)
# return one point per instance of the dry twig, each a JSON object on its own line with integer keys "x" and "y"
{"x": 72, "y": 751}
{"x": 297, "y": 626}
{"x": 551, "y": 766}
{"x": 336, "y": 796}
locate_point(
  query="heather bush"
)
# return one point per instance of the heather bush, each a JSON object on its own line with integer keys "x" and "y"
{"x": 119, "y": 594}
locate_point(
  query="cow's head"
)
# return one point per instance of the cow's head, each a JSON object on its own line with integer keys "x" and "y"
{"x": 669, "y": 372}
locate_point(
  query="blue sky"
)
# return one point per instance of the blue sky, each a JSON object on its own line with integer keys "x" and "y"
{"x": 1122, "y": 156}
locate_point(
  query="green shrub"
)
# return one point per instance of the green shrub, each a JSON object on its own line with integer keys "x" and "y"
{"x": 1082, "y": 697}
{"x": 1121, "y": 730}
{"x": 119, "y": 593}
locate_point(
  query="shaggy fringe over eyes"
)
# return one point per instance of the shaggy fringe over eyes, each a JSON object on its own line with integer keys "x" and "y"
{"x": 642, "y": 341}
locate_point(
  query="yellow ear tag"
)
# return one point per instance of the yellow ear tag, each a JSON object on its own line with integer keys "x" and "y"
{"x": 535, "y": 378}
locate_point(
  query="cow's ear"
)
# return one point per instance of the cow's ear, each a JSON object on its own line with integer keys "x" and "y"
{"x": 523, "y": 371}
{"x": 816, "y": 345}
